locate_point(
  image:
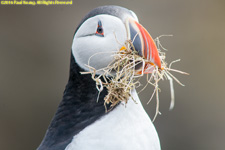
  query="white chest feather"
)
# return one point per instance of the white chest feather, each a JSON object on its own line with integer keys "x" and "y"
{"x": 125, "y": 128}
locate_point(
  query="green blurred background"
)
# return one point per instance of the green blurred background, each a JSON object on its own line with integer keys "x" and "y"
{"x": 35, "y": 45}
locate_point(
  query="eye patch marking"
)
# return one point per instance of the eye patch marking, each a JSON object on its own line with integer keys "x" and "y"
{"x": 99, "y": 31}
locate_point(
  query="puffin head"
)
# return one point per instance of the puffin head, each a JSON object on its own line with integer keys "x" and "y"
{"x": 104, "y": 31}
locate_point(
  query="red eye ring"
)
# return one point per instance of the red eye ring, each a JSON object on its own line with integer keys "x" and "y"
{"x": 99, "y": 31}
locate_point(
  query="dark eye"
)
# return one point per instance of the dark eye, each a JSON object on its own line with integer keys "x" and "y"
{"x": 99, "y": 31}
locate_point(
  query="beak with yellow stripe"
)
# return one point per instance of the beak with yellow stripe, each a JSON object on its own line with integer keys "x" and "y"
{"x": 144, "y": 45}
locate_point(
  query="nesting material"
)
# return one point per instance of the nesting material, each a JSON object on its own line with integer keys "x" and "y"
{"x": 121, "y": 75}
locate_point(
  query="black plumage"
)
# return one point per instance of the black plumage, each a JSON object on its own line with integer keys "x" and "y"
{"x": 77, "y": 110}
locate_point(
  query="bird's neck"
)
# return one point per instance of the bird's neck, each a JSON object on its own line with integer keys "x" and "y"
{"x": 127, "y": 127}
{"x": 78, "y": 109}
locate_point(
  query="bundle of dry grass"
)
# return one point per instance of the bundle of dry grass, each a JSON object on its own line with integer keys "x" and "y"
{"x": 121, "y": 76}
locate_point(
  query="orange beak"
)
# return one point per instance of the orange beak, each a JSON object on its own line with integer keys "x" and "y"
{"x": 144, "y": 45}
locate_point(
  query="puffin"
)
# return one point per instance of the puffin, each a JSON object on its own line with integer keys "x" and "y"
{"x": 81, "y": 121}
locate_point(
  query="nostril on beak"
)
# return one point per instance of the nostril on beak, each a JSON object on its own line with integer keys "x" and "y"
{"x": 136, "y": 39}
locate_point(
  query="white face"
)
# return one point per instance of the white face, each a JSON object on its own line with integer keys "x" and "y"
{"x": 95, "y": 49}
